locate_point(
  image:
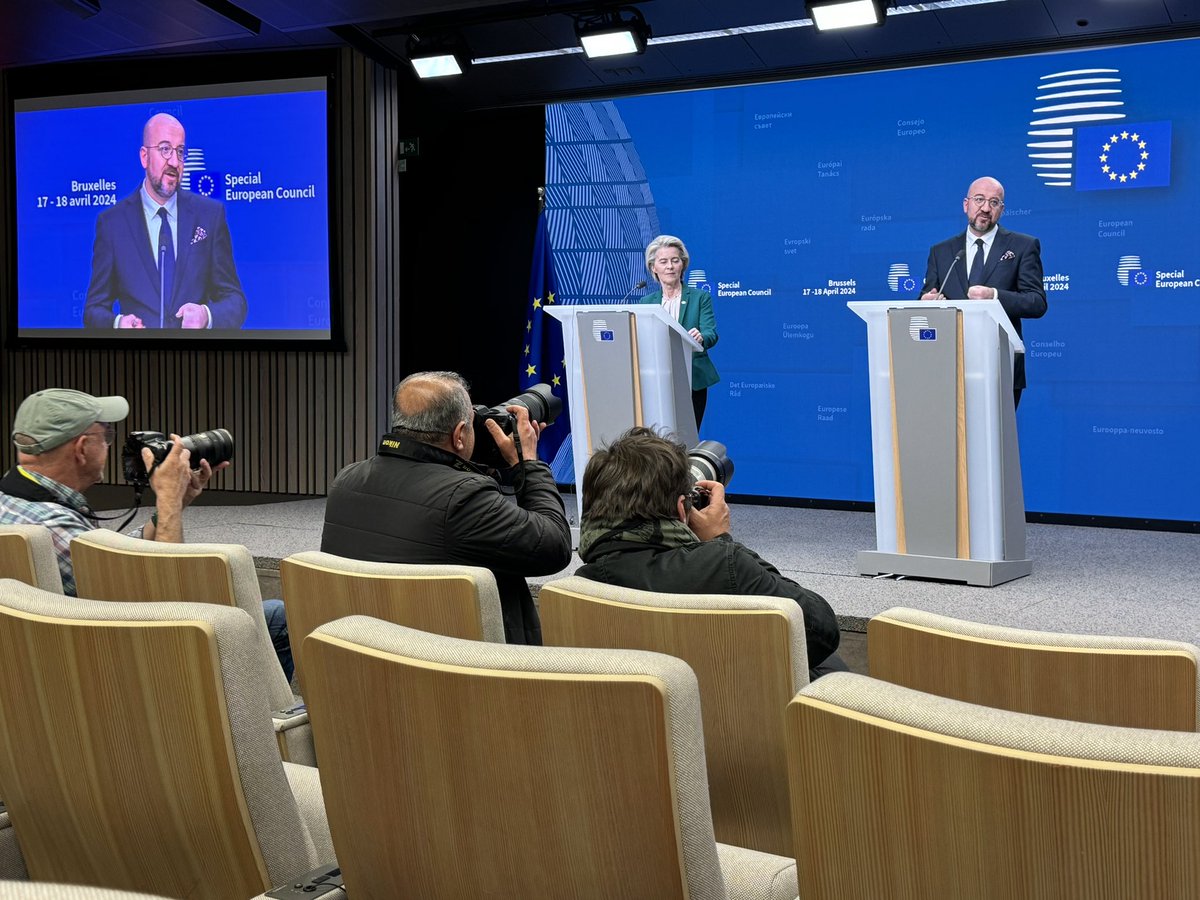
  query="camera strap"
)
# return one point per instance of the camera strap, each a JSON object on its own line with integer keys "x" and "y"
{"x": 17, "y": 484}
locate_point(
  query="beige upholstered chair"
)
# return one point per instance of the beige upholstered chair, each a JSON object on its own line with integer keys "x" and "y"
{"x": 113, "y": 566}
{"x": 32, "y": 890}
{"x": 135, "y": 754}
{"x": 27, "y": 554}
{"x": 750, "y": 658}
{"x": 517, "y": 772}
{"x": 1134, "y": 682}
{"x": 918, "y": 796}
{"x": 457, "y": 601}
{"x": 12, "y": 864}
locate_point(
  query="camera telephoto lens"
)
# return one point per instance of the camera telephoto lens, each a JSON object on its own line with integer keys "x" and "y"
{"x": 709, "y": 461}
{"x": 216, "y": 446}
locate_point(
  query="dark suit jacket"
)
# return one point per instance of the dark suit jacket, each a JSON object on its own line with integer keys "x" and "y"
{"x": 695, "y": 311}
{"x": 125, "y": 271}
{"x": 1017, "y": 279}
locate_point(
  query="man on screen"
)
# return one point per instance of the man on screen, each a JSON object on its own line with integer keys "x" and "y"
{"x": 995, "y": 264}
{"x": 163, "y": 257}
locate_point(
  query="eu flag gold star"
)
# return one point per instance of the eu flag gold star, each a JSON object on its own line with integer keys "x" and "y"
{"x": 1145, "y": 155}
{"x": 1132, "y": 176}
{"x": 526, "y": 349}
{"x": 1103, "y": 157}
{"x": 555, "y": 381}
{"x": 549, "y": 298}
{"x": 531, "y": 370}
{"x": 537, "y": 302}
{"x": 1124, "y": 135}
{"x": 1136, "y": 136}
{"x": 1123, "y": 179}
{"x": 529, "y": 324}
{"x": 1141, "y": 145}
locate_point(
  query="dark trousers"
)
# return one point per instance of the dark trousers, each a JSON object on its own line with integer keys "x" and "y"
{"x": 699, "y": 401}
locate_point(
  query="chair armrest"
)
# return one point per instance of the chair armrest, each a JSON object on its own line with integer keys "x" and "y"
{"x": 294, "y": 734}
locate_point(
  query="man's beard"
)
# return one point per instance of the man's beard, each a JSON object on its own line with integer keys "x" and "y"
{"x": 164, "y": 191}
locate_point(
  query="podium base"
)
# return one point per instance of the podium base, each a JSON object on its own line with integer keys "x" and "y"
{"x": 977, "y": 572}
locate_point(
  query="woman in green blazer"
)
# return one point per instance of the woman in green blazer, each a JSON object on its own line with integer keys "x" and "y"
{"x": 667, "y": 260}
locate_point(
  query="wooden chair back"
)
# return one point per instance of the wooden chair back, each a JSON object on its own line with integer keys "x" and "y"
{"x": 500, "y": 781}
{"x": 918, "y": 796}
{"x": 117, "y": 759}
{"x": 1132, "y": 682}
{"x": 743, "y": 653}
{"x": 447, "y": 600}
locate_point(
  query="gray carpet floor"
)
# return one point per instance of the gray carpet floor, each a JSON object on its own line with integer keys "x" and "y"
{"x": 1088, "y": 580}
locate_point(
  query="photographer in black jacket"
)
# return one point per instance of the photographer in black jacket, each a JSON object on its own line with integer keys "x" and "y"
{"x": 420, "y": 499}
{"x": 640, "y": 531}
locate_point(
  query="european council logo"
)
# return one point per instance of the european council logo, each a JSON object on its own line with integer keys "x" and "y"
{"x": 900, "y": 279}
{"x": 919, "y": 329}
{"x": 1130, "y": 271}
{"x": 197, "y": 177}
{"x": 1065, "y": 101}
{"x": 698, "y": 279}
{"x": 1132, "y": 156}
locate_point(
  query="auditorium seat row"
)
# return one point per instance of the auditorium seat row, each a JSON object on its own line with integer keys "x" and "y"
{"x": 462, "y": 768}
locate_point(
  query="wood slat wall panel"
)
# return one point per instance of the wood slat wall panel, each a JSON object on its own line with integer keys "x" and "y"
{"x": 297, "y": 417}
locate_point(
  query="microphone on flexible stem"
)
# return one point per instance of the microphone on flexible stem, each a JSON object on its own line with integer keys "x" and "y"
{"x": 957, "y": 256}
{"x": 638, "y": 287}
{"x": 162, "y": 286}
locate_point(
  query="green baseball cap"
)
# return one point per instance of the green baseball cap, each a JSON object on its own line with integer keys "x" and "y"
{"x": 52, "y": 417}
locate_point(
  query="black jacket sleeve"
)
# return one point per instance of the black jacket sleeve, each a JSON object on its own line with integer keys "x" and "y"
{"x": 756, "y": 576}
{"x": 529, "y": 537}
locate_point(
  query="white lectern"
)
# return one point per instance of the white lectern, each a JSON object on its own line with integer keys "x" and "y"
{"x": 948, "y": 497}
{"x": 626, "y": 365}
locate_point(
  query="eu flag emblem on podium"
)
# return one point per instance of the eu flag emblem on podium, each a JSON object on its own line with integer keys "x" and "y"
{"x": 544, "y": 360}
{"x": 1123, "y": 157}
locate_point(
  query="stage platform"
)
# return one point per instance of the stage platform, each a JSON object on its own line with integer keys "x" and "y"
{"x": 1094, "y": 580}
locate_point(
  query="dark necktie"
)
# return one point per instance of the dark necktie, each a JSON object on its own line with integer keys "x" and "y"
{"x": 976, "y": 275}
{"x": 166, "y": 266}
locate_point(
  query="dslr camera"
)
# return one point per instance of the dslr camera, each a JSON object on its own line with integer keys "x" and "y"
{"x": 216, "y": 446}
{"x": 708, "y": 461}
{"x": 543, "y": 407}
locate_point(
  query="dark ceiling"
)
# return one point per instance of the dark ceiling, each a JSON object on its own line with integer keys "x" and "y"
{"x": 42, "y": 31}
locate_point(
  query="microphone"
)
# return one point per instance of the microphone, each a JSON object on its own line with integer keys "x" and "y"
{"x": 957, "y": 256}
{"x": 162, "y": 285}
{"x": 642, "y": 284}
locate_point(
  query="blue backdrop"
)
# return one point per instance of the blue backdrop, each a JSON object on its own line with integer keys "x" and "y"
{"x": 65, "y": 158}
{"x": 794, "y": 198}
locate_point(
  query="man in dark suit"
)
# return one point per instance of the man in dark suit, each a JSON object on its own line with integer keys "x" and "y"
{"x": 997, "y": 264}
{"x": 163, "y": 256}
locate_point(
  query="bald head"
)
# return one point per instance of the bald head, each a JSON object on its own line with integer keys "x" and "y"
{"x": 984, "y": 205}
{"x": 156, "y": 124}
{"x": 429, "y": 406}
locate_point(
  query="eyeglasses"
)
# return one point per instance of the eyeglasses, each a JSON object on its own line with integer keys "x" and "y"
{"x": 166, "y": 150}
{"x": 108, "y": 432}
{"x": 980, "y": 200}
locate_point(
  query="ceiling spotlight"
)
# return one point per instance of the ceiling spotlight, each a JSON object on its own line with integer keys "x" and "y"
{"x": 438, "y": 56}
{"x": 829, "y": 14}
{"x": 612, "y": 32}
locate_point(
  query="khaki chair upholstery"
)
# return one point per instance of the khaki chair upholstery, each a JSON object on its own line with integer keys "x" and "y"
{"x": 457, "y": 601}
{"x": 458, "y": 768}
{"x": 113, "y": 566}
{"x": 919, "y": 796}
{"x": 32, "y": 890}
{"x": 750, "y": 658}
{"x": 1132, "y": 682}
{"x": 27, "y": 554}
{"x": 135, "y": 751}
{"x": 12, "y": 864}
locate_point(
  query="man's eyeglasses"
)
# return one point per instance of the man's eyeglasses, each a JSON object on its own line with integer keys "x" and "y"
{"x": 108, "y": 431}
{"x": 166, "y": 150}
{"x": 980, "y": 200}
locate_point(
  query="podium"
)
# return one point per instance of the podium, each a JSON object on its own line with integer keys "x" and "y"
{"x": 626, "y": 365}
{"x": 949, "y": 503}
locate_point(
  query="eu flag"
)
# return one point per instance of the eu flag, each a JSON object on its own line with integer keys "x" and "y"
{"x": 1122, "y": 157}
{"x": 544, "y": 360}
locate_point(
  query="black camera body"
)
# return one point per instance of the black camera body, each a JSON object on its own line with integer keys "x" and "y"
{"x": 543, "y": 407}
{"x": 708, "y": 461}
{"x": 216, "y": 446}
